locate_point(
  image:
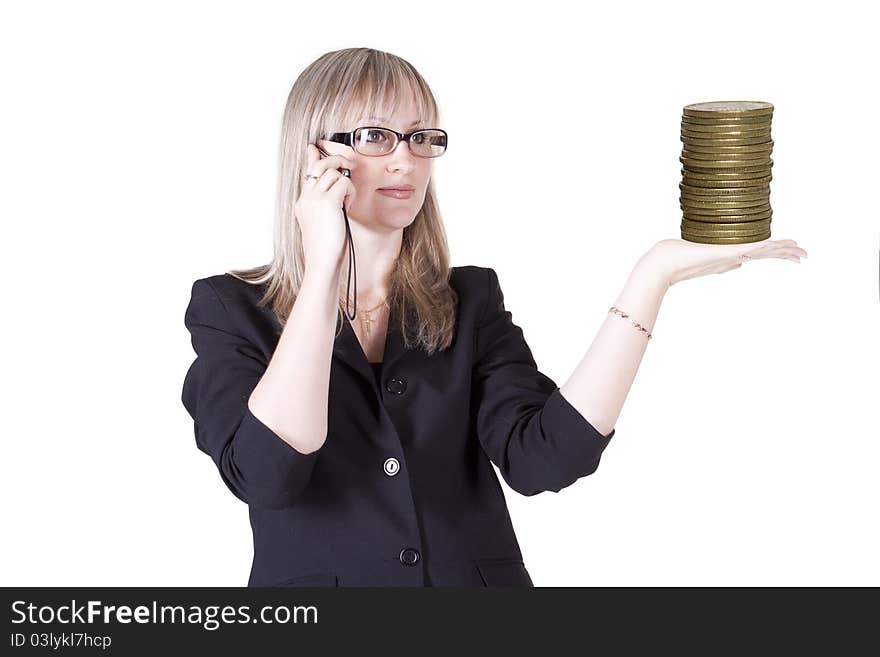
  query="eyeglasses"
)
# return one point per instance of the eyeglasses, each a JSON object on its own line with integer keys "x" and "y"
{"x": 374, "y": 141}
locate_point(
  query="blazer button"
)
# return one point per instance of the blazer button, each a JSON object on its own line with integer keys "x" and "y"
{"x": 395, "y": 385}
{"x": 409, "y": 556}
{"x": 392, "y": 467}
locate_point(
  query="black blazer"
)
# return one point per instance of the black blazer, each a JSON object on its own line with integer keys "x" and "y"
{"x": 402, "y": 492}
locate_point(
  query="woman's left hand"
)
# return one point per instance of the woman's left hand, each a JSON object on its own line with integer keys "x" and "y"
{"x": 678, "y": 260}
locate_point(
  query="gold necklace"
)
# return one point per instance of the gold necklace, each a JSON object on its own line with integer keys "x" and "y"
{"x": 367, "y": 321}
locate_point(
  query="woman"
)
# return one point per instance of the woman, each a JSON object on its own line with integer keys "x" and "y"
{"x": 364, "y": 448}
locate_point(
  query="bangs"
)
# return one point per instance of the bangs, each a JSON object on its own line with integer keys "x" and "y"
{"x": 373, "y": 94}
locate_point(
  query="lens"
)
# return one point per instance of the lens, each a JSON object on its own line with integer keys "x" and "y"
{"x": 378, "y": 141}
{"x": 428, "y": 143}
{"x": 374, "y": 141}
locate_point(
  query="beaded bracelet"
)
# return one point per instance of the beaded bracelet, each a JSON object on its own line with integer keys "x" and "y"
{"x": 618, "y": 311}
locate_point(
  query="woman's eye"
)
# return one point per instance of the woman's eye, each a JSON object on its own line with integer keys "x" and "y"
{"x": 375, "y": 135}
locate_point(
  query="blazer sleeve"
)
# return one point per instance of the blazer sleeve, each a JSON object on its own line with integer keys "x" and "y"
{"x": 535, "y": 437}
{"x": 256, "y": 464}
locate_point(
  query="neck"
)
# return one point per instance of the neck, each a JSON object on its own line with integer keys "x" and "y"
{"x": 375, "y": 255}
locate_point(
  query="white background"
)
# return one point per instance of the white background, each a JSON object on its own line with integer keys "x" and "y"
{"x": 138, "y": 145}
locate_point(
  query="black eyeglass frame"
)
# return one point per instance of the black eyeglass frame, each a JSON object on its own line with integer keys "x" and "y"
{"x": 347, "y": 138}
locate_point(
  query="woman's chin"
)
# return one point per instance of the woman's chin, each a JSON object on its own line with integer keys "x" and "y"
{"x": 387, "y": 224}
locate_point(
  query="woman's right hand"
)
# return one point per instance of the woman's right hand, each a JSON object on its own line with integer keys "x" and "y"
{"x": 319, "y": 211}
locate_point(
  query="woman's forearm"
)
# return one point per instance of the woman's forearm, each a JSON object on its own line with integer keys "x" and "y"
{"x": 292, "y": 396}
{"x": 599, "y": 385}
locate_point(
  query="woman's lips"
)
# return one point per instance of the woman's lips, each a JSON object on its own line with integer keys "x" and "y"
{"x": 396, "y": 193}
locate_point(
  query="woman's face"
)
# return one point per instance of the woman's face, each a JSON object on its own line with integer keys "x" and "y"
{"x": 400, "y": 167}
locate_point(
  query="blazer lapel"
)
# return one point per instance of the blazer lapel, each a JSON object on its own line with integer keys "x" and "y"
{"x": 347, "y": 348}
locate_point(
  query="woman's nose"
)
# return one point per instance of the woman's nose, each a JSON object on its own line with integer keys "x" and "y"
{"x": 402, "y": 155}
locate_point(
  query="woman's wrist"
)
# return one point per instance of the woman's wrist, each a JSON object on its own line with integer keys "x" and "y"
{"x": 323, "y": 274}
{"x": 650, "y": 271}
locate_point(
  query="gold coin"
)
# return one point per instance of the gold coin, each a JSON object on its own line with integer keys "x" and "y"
{"x": 720, "y": 164}
{"x": 751, "y": 177}
{"x": 705, "y": 158}
{"x": 711, "y": 212}
{"x": 708, "y": 214}
{"x": 754, "y": 148}
{"x": 724, "y": 233}
{"x": 718, "y": 108}
{"x": 712, "y": 185}
{"x": 733, "y": 193}
{"x": 728, "y": 119}
{"x": 731, "y": 141}
{"x": 722, "y": 183}
{"x": 727, "y": 234}
{"x": 720, "y": 202}
{"x": 726, "y": 134}
{"x": 722, "y": 174}
{"x": 726, "y": 218}
{"x": 726, "y": 215}
{"x": 745, "y": 239}
{"x": 715, "y": 128}
{"x": 740, "y": 227}
{"x": 724, "y": 198}
{"x": 733, "y": 202}
{"x": 717, "y": 167}
{"x": 726, "y": 166}
{"x": 709, "y": 157}
{"x": 691, "y": 233}
{"x": 702, "y": 228}
{"x": 718, "y": 130}
{"x": 720, "y": 138}
{"x": 720, "y": 193}
{"x": 732, "y": 133}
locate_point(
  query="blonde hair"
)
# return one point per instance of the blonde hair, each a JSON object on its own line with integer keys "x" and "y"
{"x": 329, "y": 95}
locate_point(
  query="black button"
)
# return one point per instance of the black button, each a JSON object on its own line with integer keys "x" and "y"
{"x": 409, "y": 556}
{"x": 395, "y": 385}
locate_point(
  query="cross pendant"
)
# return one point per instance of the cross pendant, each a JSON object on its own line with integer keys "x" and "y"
{"x": 366, "y": 324}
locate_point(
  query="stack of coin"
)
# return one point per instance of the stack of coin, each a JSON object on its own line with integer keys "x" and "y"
{"x": 725, "y": 186}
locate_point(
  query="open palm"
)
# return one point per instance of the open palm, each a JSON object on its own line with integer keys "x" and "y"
{"x": 681, "y": 260}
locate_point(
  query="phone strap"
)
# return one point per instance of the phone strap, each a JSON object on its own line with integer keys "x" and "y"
{"x": 351, "y": 268}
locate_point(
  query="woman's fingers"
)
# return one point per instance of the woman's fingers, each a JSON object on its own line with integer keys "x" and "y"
{"x": 771, "y": 249}
{"x": 311, "y": 158}
{"x": 330, "y": 171}
{"x": 325, "y": 168}
{"x": 780, "y": 253}
{"x": 785, "y": 254}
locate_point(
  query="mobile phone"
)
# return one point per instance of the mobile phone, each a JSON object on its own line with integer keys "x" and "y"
{"x": 344, "y": 172}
